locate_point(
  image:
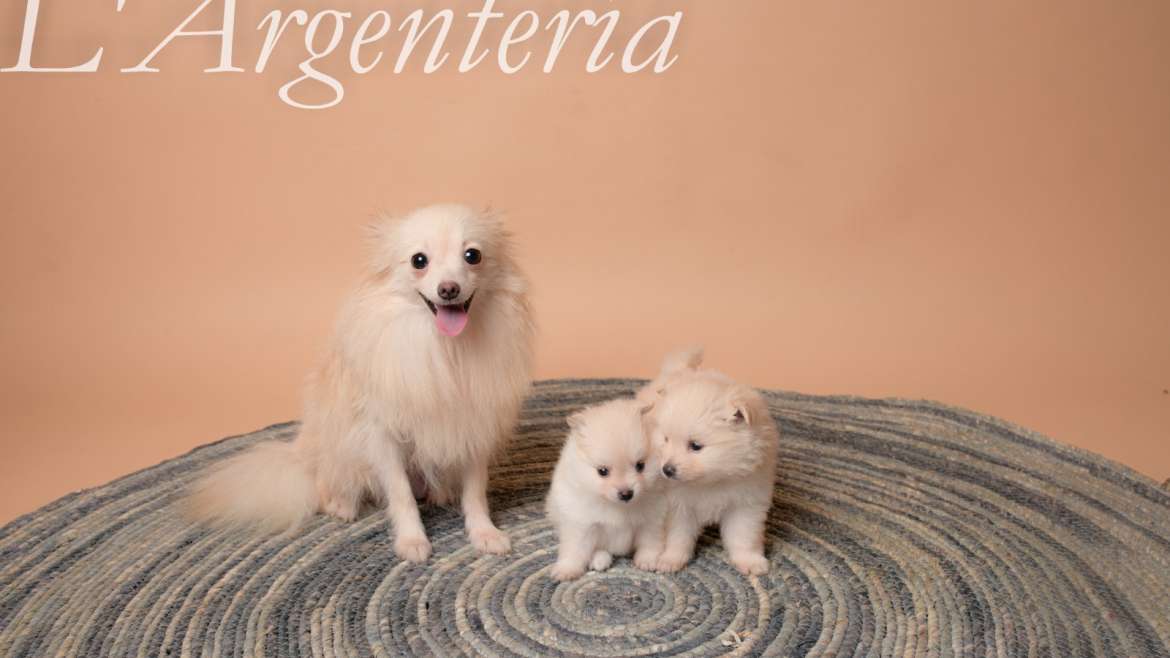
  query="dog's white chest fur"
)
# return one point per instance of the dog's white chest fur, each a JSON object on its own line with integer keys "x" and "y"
{"x": 707, "y": 505}
{"x": 447, "y": 400}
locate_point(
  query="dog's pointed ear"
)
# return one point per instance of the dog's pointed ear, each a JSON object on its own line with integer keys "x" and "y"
{"x": 382, "y": 238}
{"x": 738, "y": 412}
{"x": 646, "y": 412}
{"x": 575, "y": 421}
{"x": 689, "y": 358}
{"x": 493, "y": 218}
{"x": 646, "y": 415}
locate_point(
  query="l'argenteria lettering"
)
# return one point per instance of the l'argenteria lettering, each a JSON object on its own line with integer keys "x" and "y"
{"x": 363, "y": 41}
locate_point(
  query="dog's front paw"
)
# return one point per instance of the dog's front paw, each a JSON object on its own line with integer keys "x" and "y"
{"x": 646, "y": 560}
{"x": 601, "y": 561}
{"x": 412, "y": 548}
{"x": 342, "y": 510}
{"x": 671, "y": 562}
{"x": 488, "y": 539}
{"x": 750, "y": 564}
{"x": 563, "y": 571}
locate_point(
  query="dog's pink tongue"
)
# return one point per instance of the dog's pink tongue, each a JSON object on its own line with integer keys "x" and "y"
{"x": 451, "y": 320}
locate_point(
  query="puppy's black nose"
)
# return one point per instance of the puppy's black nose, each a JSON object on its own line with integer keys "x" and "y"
{"x": 448, "y": 290}
{"x": 668, "y": 470}
{"x": 626, "y": 495}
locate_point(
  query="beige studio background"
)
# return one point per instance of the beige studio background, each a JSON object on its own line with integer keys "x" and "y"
{"x": 962, "y": 201}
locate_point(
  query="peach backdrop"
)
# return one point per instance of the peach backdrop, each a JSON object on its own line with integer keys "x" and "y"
{"x": 963, "y": 201}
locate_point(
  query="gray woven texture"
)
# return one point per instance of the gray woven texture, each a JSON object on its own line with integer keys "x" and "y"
{"x": 900, "y": 529}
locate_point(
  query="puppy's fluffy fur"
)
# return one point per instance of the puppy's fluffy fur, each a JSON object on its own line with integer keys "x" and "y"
{"x": 415, "y": 396}
{"x": 602, "y": 502}
{"x": 717, "y": 445}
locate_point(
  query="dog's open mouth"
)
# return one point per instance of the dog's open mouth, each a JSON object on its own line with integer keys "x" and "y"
{"x": 450, "y": 319}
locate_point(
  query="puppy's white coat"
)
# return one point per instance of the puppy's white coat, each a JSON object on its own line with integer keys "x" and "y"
{"x": 421, "y": 385}
{"x": 717, "y": 446}
{"x": 602, "y": 499}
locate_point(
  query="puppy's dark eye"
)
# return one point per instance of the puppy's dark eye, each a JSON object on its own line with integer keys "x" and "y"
{"x": 640, "y": 466}
{"x": 603, "y": 471}
{"x": 473, "y": 256}
{"x": 694, "y": 446}
{"x": 419, "y": 261}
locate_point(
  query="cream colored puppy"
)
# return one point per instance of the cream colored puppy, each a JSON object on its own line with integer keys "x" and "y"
{"x": 420, "y": 387}
{"x": 717, "y": 445}
{"x": 602, "y": 499}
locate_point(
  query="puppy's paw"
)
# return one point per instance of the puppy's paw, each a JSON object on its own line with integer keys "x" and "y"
{"x": 343, "y": 511}
{"x": 601, "y": 561}
{"x": 750, "y": 564}
{"x": 563, "y": 571}
{"x": 412, "y": 548}
{"x": 488, "y": 539}
{"x": 671, "y": 562}
{"x": 646, "y": 560}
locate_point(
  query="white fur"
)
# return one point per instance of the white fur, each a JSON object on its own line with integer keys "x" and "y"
{"x": 593, "y": 524}
{"x": 729, "y": 480}
{"x": 396, "y": 403}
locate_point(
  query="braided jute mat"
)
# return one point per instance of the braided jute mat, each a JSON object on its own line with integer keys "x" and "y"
{"x": 900, "y": 529}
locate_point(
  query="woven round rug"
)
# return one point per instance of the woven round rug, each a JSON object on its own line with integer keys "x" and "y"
{"x": 899, "y": 529}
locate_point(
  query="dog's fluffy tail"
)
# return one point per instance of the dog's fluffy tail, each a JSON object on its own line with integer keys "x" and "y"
{"x": 684, "y": 359}
{"x": 269, "y": 488}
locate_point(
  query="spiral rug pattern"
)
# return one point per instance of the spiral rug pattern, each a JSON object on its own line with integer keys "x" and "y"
{"x": 899, "y": 529}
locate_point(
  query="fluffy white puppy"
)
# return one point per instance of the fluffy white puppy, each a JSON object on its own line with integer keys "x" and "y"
{"x": 421, "y": 385}
{"x": 602, "y": 499}
{"x": 717, "y": 446}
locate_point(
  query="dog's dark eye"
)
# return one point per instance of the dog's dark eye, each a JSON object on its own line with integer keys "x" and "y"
{"x": 694, "y": 446}
{"x": 473, "y": 256}
{"x": 639, "y": 466}
{"x": 603, "y": 471}
{"x": 419, "y": 261}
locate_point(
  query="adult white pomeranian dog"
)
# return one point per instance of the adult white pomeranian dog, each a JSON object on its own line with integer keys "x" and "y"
{"x": 421, "y": 385}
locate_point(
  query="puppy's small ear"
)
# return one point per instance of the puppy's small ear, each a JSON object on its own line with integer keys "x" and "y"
{"x": 575, "y": 421}
{"x": 738, "y": 412}
{"x": 689, "y": 358}
{"x": 646, "y": 416}
{"x": 650, "y": 395}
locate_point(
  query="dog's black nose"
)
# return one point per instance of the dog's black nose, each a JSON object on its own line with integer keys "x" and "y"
{"x": 448, "y": 290}
{"x": 626, "y": 495}
{"x": 668, "y": 470}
